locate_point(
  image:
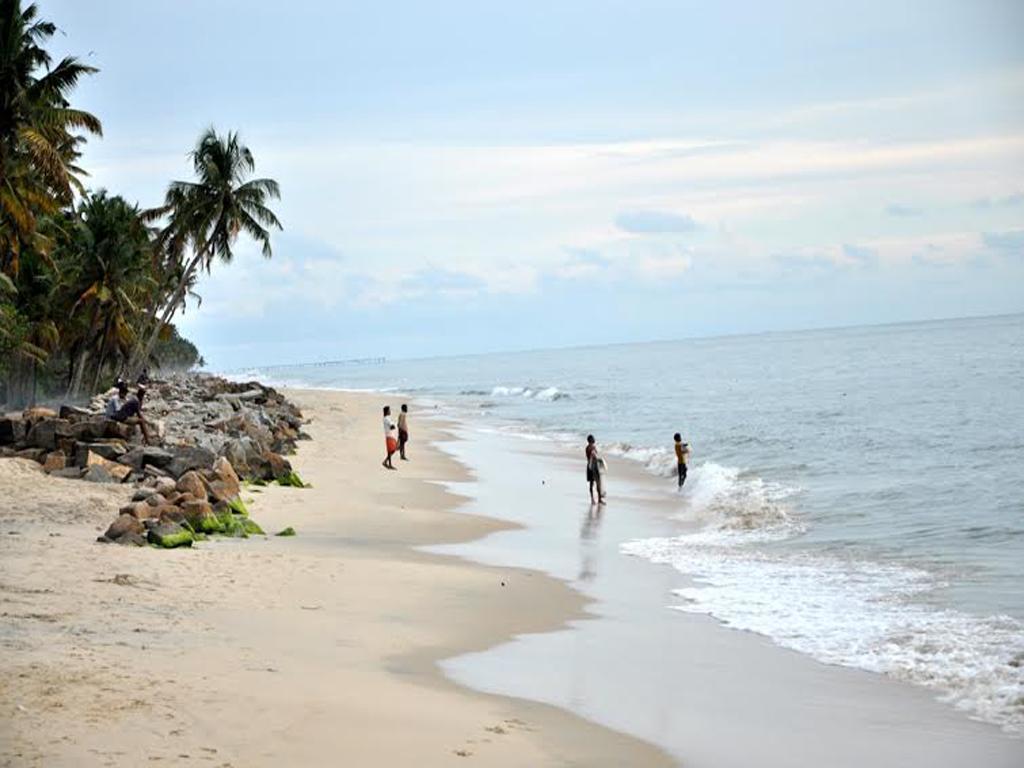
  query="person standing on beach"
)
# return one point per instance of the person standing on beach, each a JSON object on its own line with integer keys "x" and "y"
{"x": 390, "y": 437}
{"x": 594, "y": 470}
{"x": 403, "y": 431}
{"x": 682, "y": 457}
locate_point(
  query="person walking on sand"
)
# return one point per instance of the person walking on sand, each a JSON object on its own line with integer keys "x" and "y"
{"x": 390, "y": 437}
{"x": 682, "y": 457}
{"x": 595, "y": 470}
{"x": 403, "y": 431}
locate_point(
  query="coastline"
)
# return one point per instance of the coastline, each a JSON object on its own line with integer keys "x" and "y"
{"x": 312, "y": 650}
{"x": 707, "y": 693}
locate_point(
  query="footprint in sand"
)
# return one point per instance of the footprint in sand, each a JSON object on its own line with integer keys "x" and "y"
{"x": 463, "y": 752}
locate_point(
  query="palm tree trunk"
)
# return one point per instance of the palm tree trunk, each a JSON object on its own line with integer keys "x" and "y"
{"x": 143, "y": 351}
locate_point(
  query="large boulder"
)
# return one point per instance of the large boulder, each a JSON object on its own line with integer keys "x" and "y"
{"x": 68, "y": 473}
{"x": 98, "y": 474}
{"x": 192, "y": 483}
{"x": 165, "y": 486}
{"x": 39, "y": 412}
{"x": 124, "y": 524}
{"x": 46, "y": 433}
{"x": 188, "y": 458}
{"x": 224, "y": 484}
{"x": 200, "y": 516}
{"x": 12, "y": 431}
{"x": 54, "y": 461}
{"x": 33, "y": 454}
{"x": 111, "y": 450}
{"x": 119, "y": 472}
{"x": 88, "y": 431}
{"x": 170, "y": 535}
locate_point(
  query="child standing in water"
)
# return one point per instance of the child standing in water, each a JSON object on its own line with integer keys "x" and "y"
{"x": 682, "y": 457}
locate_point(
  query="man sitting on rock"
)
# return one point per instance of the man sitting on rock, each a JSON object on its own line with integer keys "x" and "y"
{"x": 131, "y": 412}
{"x": 114, "y": 403}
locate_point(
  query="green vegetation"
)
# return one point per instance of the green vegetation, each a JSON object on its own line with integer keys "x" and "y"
{"x": 291, "y": 480}
{"x": 89, "y": 282}
{"x": 289, "y": 531}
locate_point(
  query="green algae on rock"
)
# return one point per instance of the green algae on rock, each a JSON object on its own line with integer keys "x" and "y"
{"x": 170, "y": 535}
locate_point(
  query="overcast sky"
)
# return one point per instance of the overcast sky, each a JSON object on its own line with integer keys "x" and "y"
{"x": 477, "y": 176}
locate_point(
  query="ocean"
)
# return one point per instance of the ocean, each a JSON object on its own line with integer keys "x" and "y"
{"x": 854, "y": 494}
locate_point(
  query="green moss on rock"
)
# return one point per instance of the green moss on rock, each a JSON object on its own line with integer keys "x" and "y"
{"x": 237, "y": 506}
{"x": 169, "y": 536}
{"x": 291, "y": 480}
{"x": 251, "y": 528}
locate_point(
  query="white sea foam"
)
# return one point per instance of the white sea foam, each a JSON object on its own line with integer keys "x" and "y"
{"x": 854, "y": 613}
{"x": 548, "y": 394}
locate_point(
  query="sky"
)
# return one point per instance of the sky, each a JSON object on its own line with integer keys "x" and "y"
{"x": 462, "y": 177}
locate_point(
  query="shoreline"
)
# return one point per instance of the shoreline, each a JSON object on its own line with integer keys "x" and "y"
{"x": 312, "y": 650}
{"x": 708, "y": 693}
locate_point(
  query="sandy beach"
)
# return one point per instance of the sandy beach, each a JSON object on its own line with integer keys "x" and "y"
{"x": 320, "y": 649}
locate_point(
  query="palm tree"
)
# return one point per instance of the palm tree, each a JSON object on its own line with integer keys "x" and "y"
{"x": 38, "y": 131}
{"x": 207, "y": 216}
{"x": 109, "y": 274}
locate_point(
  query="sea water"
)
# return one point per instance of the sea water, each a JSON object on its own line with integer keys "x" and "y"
{"x": 854, "y": 494}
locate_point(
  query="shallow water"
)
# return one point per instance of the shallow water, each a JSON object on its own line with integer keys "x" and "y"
{"x": 854, "y": 494}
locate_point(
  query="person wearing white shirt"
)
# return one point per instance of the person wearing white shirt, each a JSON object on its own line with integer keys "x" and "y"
{"x": 390, "y": 437}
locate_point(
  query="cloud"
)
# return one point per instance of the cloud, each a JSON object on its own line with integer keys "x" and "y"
{"x": 902, "y": 211}
{"x": 859, "y": 253}
{"x": 654, "y": 222}
{"x": 1009, "y": 201}
{"x": 1009, "y": 242}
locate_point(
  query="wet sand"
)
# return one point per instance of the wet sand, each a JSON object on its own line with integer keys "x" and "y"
{"x": 320, "y": 649}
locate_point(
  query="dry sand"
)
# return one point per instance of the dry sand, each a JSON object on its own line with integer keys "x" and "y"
{"x": 314, "y": 650}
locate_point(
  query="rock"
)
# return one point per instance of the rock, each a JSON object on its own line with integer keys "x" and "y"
{"x": 111, "y": 451}
{"x": 141, "y": 494}
{"x": 289, "y": 531}
{"x": 165, "y": 485}
{"x": 292, "y": 480}
{"x": 224, "y": 474}
{"x": 45, "y": 433}
{"x": 12, "y": 431}
{"x": 33, "y": 454}
{"x": 88, "y": 431}
{"x": 201, "y": 517}
{"x": 189, "y": 458}
{"x": 132, "y": 539}
{"x": 115, "y": 429}
{"x": 156, "y": 499}
{"x": 279, "y": 465}
{"x": 68, "y": 473}
{"x": 54, "y": 461}
{"x": 171, "y": 514}
{"x": 98, "y": 474}
{"x": 154, "y": 472}
{"x": 157, "y": 457}
{"x": 124, "y": 524}
{"x": 73, "y": 414}
{"x": 191, "y": 482}
{"x": 170, "y": 535}
{"x": 235, "y": 452}
{"x": 251, "y": 528}
{"x": 119, "y": 472}
{"x": 38, "y": 412}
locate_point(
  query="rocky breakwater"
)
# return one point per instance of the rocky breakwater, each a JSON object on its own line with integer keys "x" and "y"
{"x": 210, "y": 436}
